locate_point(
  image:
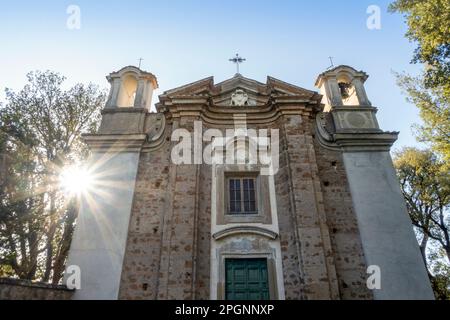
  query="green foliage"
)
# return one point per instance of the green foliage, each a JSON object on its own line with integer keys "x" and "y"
{"x": 434, "y": 109}
{"x": 424, "y": 174}
{"x": 440, "y": 280}
{"x": 40, "y": 130}
{"x": 428, "y": 25}
{"x": 49, "y": 120}
{"x": 425, "y": 184}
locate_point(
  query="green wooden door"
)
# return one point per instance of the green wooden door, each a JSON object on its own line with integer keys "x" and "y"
{"x": 246, "y": 279}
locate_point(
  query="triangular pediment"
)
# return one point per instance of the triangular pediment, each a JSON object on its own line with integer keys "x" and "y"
{"x": 283, "y": 88}
{"x": 196, "y": 88}
{"x": 238, "y": 91}
{"x": 240, "y": 82}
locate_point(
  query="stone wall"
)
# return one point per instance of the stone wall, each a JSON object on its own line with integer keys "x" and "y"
{"x": 309, "y": 226}
{"x": 168, "y": 246}
{"x": 168, "y": 249}
{"x": 171, "y": 250}
{"x": 15, "y": 289}
{"x": 342, "y": 224}
{"x": 318, "y": 227}
{"x": 290, "y": 248}
{"x": 168, "y": 254}
{"x": 141, "y": 267}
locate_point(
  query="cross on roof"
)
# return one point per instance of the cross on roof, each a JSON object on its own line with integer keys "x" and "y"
{"x": 331, "y": 61}
{"x": 237, "y": 60}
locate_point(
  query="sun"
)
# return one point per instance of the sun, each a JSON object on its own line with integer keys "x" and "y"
{"x": 75, "y": 180}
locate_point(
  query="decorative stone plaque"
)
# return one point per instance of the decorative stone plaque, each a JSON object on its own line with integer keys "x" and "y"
{"x": 239, "y": 98}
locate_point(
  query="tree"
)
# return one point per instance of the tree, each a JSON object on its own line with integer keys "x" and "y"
{"x": 434, "y": 109}
{"x": 425, "y": 184}
{"x": 424, "y": 174}
{"x": 428, "y": 25}
{"x": 40, "y": 131}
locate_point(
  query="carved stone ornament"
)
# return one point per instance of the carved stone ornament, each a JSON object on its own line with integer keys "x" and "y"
{"x": 239, "y": 98}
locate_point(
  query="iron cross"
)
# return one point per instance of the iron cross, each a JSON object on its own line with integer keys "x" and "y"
{"x": 331, "y": 60}
{"x": 140, "y": 60}
{"x": 237, "y": 60}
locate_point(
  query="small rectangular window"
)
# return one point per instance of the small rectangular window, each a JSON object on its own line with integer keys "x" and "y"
{"x": 242, "y": 195}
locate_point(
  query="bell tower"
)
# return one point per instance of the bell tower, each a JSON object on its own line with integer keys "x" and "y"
{"x": 343, "y": 86}
{"x": 345, "y": 98}
{"x": 99, "y": 241}
{"x": 348, "y": 124}
{"x": 131, "y": 87}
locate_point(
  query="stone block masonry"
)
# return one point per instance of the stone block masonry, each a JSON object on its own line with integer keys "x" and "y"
{"x": 16, "y": 289}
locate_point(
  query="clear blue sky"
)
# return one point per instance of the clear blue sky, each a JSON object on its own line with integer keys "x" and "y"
{"x": 184, "y": 41}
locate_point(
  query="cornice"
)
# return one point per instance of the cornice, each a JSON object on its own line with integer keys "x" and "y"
{"x": 207, "y": 100}
{"x": 354, "y": 140}
{"x": 220, "y": 115}
{"x": 115, "y": 142}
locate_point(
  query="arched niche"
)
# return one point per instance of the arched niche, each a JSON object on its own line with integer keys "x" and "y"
{"x": 127, "y": 92}
{"x": 342, "y": 86}
{"x": 347, "y": 89}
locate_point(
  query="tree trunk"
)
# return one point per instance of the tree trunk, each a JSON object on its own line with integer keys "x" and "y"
{"x": 33, "y": 245}
{"x": 50, "y": 237}
{"x": 423, "y": 249}
{"x": 58, "y": 267}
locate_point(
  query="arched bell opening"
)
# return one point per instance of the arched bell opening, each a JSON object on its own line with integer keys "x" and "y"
{"x": 347, "y": 90}
{"x": 127, "y": 93}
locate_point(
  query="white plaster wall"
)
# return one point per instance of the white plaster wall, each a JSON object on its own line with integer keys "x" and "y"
{"x": 385, "y": 227}
{"x": 99, "y": 240}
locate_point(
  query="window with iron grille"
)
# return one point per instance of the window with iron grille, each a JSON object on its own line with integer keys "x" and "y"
{"x": 242, "y": 195}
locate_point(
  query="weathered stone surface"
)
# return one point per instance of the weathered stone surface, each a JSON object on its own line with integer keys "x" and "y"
{"x": 311, "y": 236}
{"x": 168, "y": 252}
{"x": 15, "y": 289}
{"x": 342, "y": 224}
{"x": 141, "y": 266}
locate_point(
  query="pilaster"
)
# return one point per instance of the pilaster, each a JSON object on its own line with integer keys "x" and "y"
{"x": 99, "y": 240}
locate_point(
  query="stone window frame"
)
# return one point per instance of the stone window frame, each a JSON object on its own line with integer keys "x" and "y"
{"x": 264, "y": 214}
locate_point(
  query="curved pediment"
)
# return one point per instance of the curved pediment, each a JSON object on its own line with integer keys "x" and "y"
{"x": 135, "y": 72}
{"x": 335, "y": 72}
{"x": 203, "y": 86}
{"x": 249, "y": 230}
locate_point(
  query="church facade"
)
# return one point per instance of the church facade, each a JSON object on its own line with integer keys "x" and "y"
{"x": 306, "y": 205}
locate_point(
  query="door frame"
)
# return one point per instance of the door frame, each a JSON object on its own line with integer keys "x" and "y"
{"x": 263, "y": 261}
{"x": 271, "y": 272}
